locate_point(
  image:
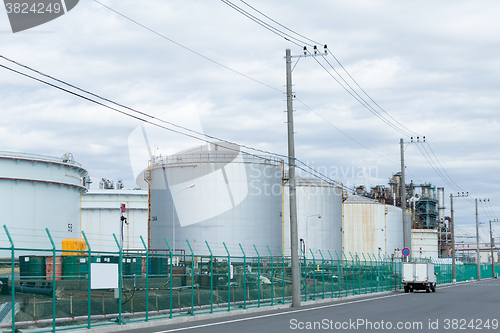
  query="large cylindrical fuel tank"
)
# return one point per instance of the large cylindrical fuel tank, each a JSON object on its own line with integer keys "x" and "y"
{"x": 319, "y": 218}
{"x": 218, "y": 195}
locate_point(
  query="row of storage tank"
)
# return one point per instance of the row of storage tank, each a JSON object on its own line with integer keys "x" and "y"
{"x": 226, "y": 198}
{"x": 214, "y": 196}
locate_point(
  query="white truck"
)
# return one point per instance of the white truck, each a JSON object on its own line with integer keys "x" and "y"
{"x": 419, "y": 276}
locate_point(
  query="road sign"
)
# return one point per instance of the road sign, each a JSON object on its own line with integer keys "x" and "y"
{"x": 406, "y": 251}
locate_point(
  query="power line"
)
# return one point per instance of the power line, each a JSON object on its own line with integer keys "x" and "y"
{"x": 444, "y": 170}
{"x": 215, "y": 62}
{"x": 280, "y": 33}
{"x": 491, "y": 209}
{"x": 265, "y": 25}
{"x": 435, "y": 169}
{"x": 338, "y": 129}
{"x": 307, "y": 169}
{"x": 401, "y": 128}
{"x": 187, "y": 48}
{"x": 360, "y": 99}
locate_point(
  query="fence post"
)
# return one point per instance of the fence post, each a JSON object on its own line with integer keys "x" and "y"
{"x": 314, "y": 274}
{"x": 322, "y": 274}
{"x": 244, "y": 278}
{"x": 228, "y": 278}
{"x": 283, "y": 257}
{"x": 373, "y": 260}
{"x": 346, "y": 292}
{"x": 272, "y": 276}
{"x": 305, "y": 275}
{"x": 12, "y": 286}
{"x": 339, "y": 271}
{"x": 120, "y": 264}
{"x": 89, "y": 287}
{"x": 211, "y": 279}
{"x": 53, "y": 281}
{"x": 192, "y": 278}
{"x": 364, "y": 258}
{"x": 171, "y": 275}
{"x": 258, "y": 274}
{"x": 359, "y": 272}
{"x": 147, "y": 278}
{"x": 331, "y": 258}
{"x": 352, "y": 269}
{"x": 380, "y": 271}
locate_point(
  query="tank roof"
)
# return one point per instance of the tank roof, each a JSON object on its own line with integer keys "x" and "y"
{"x": 36, "y": 157}
{"x": 358, "y": 199}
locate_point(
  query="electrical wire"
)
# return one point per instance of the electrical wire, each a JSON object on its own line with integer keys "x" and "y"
{"x": 268, "y": 27}
{"x": 188, "y": 49}
{"x": 336, "y": 59}
{"x": 401, "y": 128}
{"x": 491, "y": 210}
{"x": 297, "y": 42}
{"x": 306, "y": 168}
{"x": 338, "y": 129}
{"x": 436, "y": 170}
{"x": 358, "y": 98}
{"x": 276, "y": 31}
{"x": 444, "y": 170}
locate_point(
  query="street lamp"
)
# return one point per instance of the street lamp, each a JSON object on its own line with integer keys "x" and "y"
{"x": 173, "y": 217}
{"x": 307, "y": 238}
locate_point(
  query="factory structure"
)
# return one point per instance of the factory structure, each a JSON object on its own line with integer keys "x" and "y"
{"x": 215, "y": 199}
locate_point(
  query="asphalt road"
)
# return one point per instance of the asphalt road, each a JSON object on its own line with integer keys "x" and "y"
{"x": 454, "y": 308}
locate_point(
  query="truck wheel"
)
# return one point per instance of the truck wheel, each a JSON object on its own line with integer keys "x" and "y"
{"x": 406, "y": 290}
{"x": 427, "y": 290}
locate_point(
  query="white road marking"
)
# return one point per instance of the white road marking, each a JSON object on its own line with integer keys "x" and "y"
{"x": 296, "y": 311}
{"x": 275, "y": 314}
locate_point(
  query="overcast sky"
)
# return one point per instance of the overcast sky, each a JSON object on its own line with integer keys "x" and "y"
{"x": 433, "y": 66}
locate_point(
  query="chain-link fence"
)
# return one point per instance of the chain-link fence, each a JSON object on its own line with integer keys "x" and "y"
{"x": 51, "y": 289}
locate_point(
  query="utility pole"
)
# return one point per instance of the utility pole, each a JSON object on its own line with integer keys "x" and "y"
{"x": 294, "y": 240}
{"x": 406, "y": 242}
{"x": 491, "y": 248}
{"x": 478, "y": 254}
{"x": 452, "y": 227}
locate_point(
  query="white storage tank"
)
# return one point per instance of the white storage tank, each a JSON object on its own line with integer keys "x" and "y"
{"x": 219, "y": 195}
{"x": 319, "y": 218}
{"x": 371, "y": 227}
{"x": 101, "y": 212}
{"x": 424, "y": 243}
{"x": 38, "y": 192}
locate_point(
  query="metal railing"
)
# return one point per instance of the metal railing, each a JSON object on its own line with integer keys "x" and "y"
{"x": 213, "y": 158}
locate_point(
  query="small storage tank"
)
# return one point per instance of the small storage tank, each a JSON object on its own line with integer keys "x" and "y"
{"x": 371, "y": 227}
{"x": 38, "y": 192}
{"x": 101, "y": 218}
{"x": 215, "y": 193}
{"x": 32, "y": 267}
{"x": 424, "y": 243}
{"x": 319, "y": 218}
